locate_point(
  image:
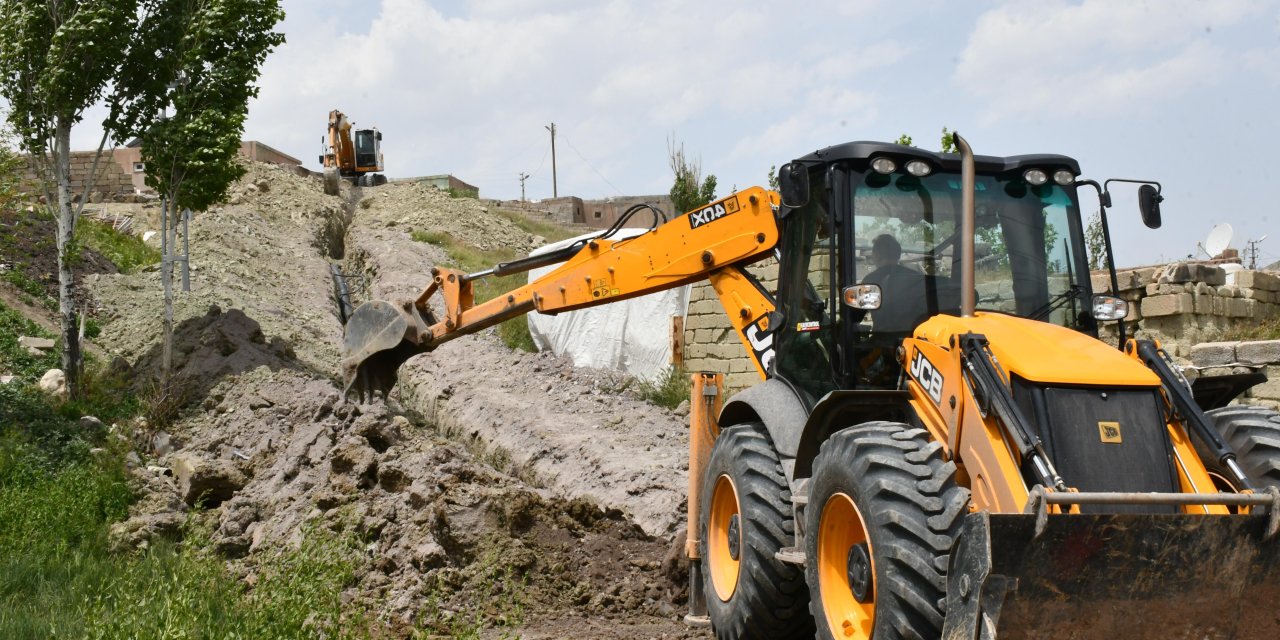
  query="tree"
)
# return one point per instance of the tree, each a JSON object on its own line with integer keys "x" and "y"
{"x": 201, "y": 58}
{"x": 57, "y": 58}
{"x": 904, "y": 140}
{"x": 1095, "y": 242}
{"x": 772, "y": 176}
{"x": 689, "y": 191}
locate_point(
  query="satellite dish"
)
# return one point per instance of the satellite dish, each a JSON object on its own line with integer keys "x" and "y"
{"x": 1218, "y": 240}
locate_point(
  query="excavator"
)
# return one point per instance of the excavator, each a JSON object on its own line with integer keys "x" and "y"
{"x": 941, "y": 446}
{"x": 354, "y": 154}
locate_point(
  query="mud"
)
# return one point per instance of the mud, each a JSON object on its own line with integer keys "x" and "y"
{"x": 525, "y": 495}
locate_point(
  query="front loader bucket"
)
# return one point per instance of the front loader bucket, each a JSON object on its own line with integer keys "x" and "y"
{"x": 1114, "y": 576}
{"x": 380, "y": 336}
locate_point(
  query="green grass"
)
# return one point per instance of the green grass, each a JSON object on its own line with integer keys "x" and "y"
{"x": 668, "y": 390}
{"x": 17, "y": 277}
{"x": 514, "y": 332}
{"x": 549, "y": 230}
{"x": 1266, "y": 330}
{"x": 128, "y": 252}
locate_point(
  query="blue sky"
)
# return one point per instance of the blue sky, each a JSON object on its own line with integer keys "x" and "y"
{"x": 1181, "y": 92}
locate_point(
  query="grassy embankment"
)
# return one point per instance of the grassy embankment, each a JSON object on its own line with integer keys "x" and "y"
{"x": 61, "y": 488}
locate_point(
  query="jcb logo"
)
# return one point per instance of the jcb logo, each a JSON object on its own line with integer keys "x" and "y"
{"x": 712, "y": 213}
{"x": 927, "y": 375}
{"x": 761, "y": 342}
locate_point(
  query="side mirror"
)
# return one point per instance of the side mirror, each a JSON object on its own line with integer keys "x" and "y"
{"x": 1149, "y": 200}
{"x": 793, "y": 181}
{"x": 379, "y": 136}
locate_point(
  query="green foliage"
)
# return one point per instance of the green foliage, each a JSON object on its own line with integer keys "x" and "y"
{"x": 128, "y": 252}
{"x": 14, "y": 359}
{"x": 904, "y": 140}
{"x": 668, "y": 390}
{"x": 772, "y": 177}
{"x": 10, "y": 174}
{"x": 1095, "y": 242}
{"x": 25, "y": 283}
{"x": 689, "y": 191}
{"x": 57, "y": 59}
{"x": 201, "y": 58}
{"x": 948, "y": 141}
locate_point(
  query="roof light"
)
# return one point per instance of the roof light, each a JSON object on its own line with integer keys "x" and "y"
{"x": 1035, "y": 177}
{"x": 1063, "y": 177}
{"x": 884, "y": 165}
{"x": 919, "y": 168}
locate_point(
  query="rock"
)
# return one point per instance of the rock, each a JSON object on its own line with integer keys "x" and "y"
{"x": 138, "y": 532}
{"x": 91, "y": 423}
{"x": 54, "y": 383}
{"x": 353, "y": 462}
{"x": 7, "y": 379}
{"x": 379, "y": 432}
{"x": 682, "y": 409}
{"x": 207, "y": 482}
{"x": 161, "y": 444}
{"x": 1264, "y": 352}
{"x": 1213, "y": 354}
{"x": 43, "y": 344}
{"x": 263, "y": 185}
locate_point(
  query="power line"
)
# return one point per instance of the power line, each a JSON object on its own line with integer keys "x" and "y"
{"x": 590, "y": 166}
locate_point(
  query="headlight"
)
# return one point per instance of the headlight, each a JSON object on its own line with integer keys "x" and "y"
{"x": 1063, "y": 177}
{"x": 919, "y": 168}
{"x": 862, "y": 296}
{"x": 884, "y": 165}
{"x": 1109, "y": 308}
{"x": 1035, "y": 177}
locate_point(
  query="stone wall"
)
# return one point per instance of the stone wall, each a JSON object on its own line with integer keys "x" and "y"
{"x": 710, "y": 343}
{"x": 111, "y": 179}
{"x": 1187, "y": 303}
{"x": 1219, "y": 358}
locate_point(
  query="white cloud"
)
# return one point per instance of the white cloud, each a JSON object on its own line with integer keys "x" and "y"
{"x": 1095, "y": 58}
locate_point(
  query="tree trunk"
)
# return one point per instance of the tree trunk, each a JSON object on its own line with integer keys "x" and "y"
{"x": 71, "y": 358}
{"x": 166, "y": 279}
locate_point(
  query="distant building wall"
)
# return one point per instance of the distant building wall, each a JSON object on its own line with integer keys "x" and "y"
{"x": 129, "y": 159}
{"x": 604, "y": 213}
{"x": 447, "y": 182}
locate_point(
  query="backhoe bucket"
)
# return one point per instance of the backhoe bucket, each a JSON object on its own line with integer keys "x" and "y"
{"x": 380, "y": 336}
{"x": 1130, "y": 576}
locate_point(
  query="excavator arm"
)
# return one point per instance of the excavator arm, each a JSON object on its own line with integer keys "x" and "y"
{"x": 713, "y": 243}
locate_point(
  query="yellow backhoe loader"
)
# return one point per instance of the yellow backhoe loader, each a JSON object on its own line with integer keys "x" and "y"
{"x": 354, "y": 154}
{"x": 941, "y": 446}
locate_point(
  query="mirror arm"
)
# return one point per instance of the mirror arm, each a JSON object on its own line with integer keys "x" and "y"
{"x": 1104, "y": 201}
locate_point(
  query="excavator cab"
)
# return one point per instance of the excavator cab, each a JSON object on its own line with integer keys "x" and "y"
{"x": 368, "y": 143}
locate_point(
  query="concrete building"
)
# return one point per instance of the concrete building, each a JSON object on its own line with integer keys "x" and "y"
{"x": 447, "y": 182}
{"x": 603, "y": 213}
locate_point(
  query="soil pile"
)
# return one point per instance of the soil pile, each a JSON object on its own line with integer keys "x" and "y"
{"x": 569, "y": 537}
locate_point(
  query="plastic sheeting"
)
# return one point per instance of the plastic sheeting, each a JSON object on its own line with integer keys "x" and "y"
{"x": 633, "y": 336}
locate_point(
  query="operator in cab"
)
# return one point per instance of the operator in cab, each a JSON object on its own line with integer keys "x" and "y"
{"x": 903, "y": 304}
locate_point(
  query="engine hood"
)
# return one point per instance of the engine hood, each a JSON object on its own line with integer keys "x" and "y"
{"x": 1042, "y": 352}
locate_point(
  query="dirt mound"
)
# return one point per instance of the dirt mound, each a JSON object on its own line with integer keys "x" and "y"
{"x": 458, "y": 534}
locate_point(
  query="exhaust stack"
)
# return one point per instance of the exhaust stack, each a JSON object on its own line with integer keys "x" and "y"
{"x": 968, "y": 298}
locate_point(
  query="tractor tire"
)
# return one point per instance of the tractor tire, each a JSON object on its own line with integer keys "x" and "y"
{"x": 744, "y": 519}
{"x": 883, "y": 511}
{"x": 331, "y": 182}
{"x": 379, "y": 180}
{"x": 1253, "y": 433}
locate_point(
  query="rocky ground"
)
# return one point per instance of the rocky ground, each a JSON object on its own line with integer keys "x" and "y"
{"x": 508, "y": 487}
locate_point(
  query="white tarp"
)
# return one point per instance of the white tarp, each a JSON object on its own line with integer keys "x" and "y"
{"x": 633, "y": 336}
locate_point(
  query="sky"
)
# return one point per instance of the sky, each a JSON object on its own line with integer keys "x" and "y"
{"x": 1182, "y": 92}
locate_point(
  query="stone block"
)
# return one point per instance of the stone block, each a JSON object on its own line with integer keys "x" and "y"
{"x": 1245, "y": 279}
{"x": 696, "y": 352}
{"x": 1264, "y": 352}
{"x": 1167, "y": 305}
{"x": 207, "y": 482}
{"x": 1203, "y": 303}
{"x": 1213, "y": 354}
{"x": 1100, "y": 282}
{"x": 1229, "y": 291}
{"x": 1242, "y": 308}
{"x": 1183, "y": 272}
{"x": 35, "y": 343}
{"x": 1266, "y": 281}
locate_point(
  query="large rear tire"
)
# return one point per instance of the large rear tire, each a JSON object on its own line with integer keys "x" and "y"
{"x": 744, "y": 520}
{"x": 1253, "y": 433}
{"x": 883, "y": 511}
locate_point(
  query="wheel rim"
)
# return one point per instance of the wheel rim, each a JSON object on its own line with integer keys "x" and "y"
{"x": 724, "y": 538}
{"x": 840, "y": 530}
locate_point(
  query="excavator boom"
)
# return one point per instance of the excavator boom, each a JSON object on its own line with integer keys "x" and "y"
{"x": 713, "y": 242}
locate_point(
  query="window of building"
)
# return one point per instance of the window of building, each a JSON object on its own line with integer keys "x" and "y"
{"x": 139, "y": 167}
{"x": 597, "y": 215}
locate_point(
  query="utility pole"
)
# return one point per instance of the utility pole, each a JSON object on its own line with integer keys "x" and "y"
{"x": 1253, "y": 252}
{"x": 552, "y": 129}
{"x": 523, "y": 176}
